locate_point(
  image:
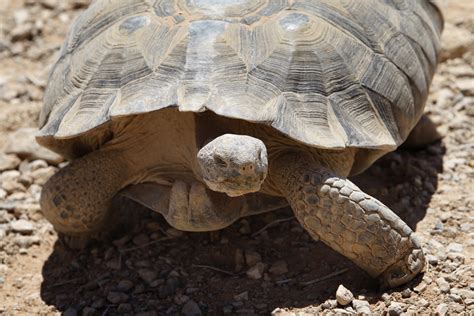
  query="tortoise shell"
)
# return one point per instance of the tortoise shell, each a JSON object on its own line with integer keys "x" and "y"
{"x": 331, "y": 74}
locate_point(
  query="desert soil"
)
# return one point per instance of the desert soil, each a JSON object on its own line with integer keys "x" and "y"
{"x": 249, "y": 268}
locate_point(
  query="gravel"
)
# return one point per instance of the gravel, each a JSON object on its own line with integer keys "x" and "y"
{"x": 243, "y": 274}
{"x": 344, "y": 296}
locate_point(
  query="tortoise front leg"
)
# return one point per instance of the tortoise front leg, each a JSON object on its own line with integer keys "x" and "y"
{"x": 351, "y": 222}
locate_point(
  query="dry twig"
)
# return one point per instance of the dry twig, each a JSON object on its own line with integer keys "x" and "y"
{"x": 215, "y": 269}
{"x": 330, "y": 275}
{"x": 273, "y": 223}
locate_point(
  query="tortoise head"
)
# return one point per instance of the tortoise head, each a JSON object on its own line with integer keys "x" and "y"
{"x": 234, "y": 164}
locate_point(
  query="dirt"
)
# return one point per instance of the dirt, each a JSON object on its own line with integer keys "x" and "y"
{"x": 248, "y": 268}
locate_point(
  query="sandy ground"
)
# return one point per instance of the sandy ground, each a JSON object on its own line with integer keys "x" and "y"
{"x": 156, "y": 270}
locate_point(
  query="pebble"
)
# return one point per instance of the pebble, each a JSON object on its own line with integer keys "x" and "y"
{"x": 455, "y": 297}
{"x": 22, "y": 226}
{"x": 180, "y": 299}
{"x": 361, "y": 306}
{"x": 89, "y": 311}
{"x": 147, "y": 275}
{"x": 22, "y": 142}
{"x": 141, "y": 239}
{"x": 442, "y": 309}
{"x": 443, "y": 285}
{"x": 464, "y": 293}
{"x": 340, "y": 311}
{"x": 395, "y": 308}
{"x": 125, "y": 285}
{"x": 252, "y": 257}
{"x": 26, "y": 241}
{"x": 433, "y": 260}
{"x": 465, "y": 227}
{"x": 124, "y": 308}
{"x": 329, "y": 304}
{"x": 191, "y": 308}
{"x": 455, "y": 247}
{"x": 406, "y": 293}
{"x": 423, "y": 303}
{"x": 244, "y": 296}
{"x": 117, "y": 297}
{"x": 420, "y": 287}
{"x": 8, "y": 162}
{"x": 279, "y": 267}
{"x": 256, "y": 272}
{"x": 344, "y": 296}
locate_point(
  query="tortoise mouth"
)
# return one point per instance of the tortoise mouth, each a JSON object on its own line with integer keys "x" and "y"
{"x": 236, "y": 187}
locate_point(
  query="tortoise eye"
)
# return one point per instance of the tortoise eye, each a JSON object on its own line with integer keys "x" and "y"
{"x": 220, "y": 161}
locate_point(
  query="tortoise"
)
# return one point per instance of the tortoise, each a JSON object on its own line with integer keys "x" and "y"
{"x": 207, "y": 111}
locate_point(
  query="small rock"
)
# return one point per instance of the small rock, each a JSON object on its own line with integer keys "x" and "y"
{"x": 423, "y": 303}
{"x": 329, "y": 304}
{"x": 191, "y": 308}
{"x": 443, "y": 285}
{"x": 238, "y": 260}
{"x": 125, "y": 285}
{"x": 433, "y": 260}
{"x": 256, "y": 272}
{"x": 98, "y": 303}
{"x": 395, "y": 308}
{"x": 420, "y": 287}
{"x": 343, "y": 295}
{"x": 40, "y": 176}
{"x": 442, "y": 309}
{"x": 26, "y": 241}
{"x": 244, "y": 296}
{"x": 180, "y": 299}
{"x": 124, "y": 308}
{"x": 465, "y": 227}
{"x": 455, "y": 42}
{"x": 406, "y": 293}
{"x": 252, "y": 257}
{"x": 464, "y": 293}
{"x": 141, "y": 239}
{"x": 89, "y": 311}
{"x": 3, "y": 194}
{"x": 244, "y": 227}
{"x": 22, "y": 142}
{"x": 117, "y": 297}
{"x": 22, "y": 226}
{"x": 361, "y": 306}
{"x": 172, "y": 232}
{"x": 455, "y": 297}
{"x": 281, "y": 312}
{"x": 455, "y": 247}
{"x": 279, "y": 267}
{"x": 8, "y": 162}
{"x": 147, "y": 275}
{"x": 340, "y": 311}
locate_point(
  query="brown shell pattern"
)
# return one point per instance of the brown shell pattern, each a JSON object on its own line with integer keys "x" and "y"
{"x": 331, "y": 73}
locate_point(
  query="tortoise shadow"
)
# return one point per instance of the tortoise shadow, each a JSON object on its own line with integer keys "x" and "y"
{"x": 209, "y": 267}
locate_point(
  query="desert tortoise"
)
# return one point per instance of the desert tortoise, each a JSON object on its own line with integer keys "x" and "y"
{"x": 207, "y": 111}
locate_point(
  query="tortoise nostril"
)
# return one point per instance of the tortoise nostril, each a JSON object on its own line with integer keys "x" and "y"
{"x": 247, "y": 169}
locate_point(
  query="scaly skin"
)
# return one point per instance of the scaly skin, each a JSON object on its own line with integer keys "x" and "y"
{"x": 77, "y": 199}
{"x": 332, "y": 209}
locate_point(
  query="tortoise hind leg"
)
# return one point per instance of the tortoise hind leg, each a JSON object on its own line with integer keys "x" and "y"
{"x": 77, "y": 199}
{"x": 423, "y": 134}
{"x": 351, "y": 222}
